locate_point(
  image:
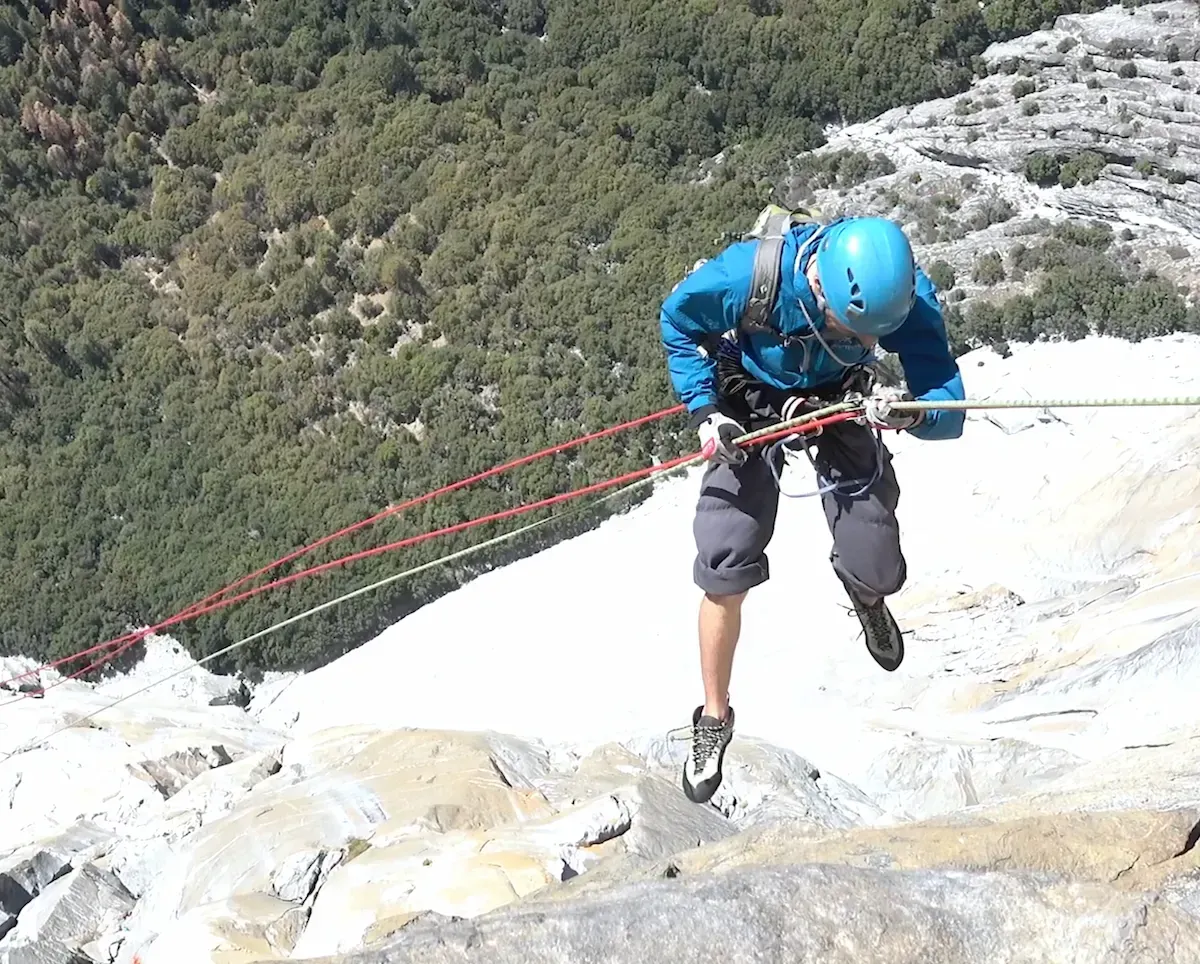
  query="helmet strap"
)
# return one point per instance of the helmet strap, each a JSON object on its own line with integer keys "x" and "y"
{"x": 817, "y": 292}
{"x": 818, "y": 297}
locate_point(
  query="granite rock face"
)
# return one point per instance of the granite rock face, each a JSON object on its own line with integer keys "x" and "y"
{"x": 1025, "y": 789}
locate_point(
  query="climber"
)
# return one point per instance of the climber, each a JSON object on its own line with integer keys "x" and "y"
{"x": 739, "y": 364}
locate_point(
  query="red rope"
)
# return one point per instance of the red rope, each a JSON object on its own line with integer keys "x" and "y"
{"x": 212, "y": 603}
{"x": 553, "y": 500}
{"x": 197, "y": 608}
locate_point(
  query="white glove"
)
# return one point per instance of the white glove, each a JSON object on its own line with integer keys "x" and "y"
{"x": 878, "y": 410}
{"x": 717, "y": 433}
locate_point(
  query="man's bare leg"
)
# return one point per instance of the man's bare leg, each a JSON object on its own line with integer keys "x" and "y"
{"x": 712, "y": 724}
{"x": 720, "y": 627}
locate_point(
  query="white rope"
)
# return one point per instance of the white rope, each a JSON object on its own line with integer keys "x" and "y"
{"x": 283, "y": 623}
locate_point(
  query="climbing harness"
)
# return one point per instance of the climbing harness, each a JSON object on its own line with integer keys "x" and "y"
{"x": 748, "y": 399}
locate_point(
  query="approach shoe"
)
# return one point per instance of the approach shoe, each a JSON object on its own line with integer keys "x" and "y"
{"x": 884, "y": 640}
{"x": 702, "y": 769}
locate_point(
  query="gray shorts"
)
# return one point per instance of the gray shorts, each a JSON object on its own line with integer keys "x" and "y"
{"x": 735, "y": 517}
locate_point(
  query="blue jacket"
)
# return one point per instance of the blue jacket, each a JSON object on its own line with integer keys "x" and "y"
{"x": 712, "y": 298}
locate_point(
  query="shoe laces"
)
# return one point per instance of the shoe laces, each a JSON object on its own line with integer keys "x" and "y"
{"x": 877, "y": 629}
{"x": 706, "y": 740}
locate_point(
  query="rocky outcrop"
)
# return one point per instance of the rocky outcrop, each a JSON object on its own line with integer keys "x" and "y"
{"x": 1101, "y": 887}
{"x": 189, "y": 683}
{"x": 125, "y": 766}
{"x": 837, "y": 914}
{"x": 18, "y": 674}
{"x": 1094, "y": 119}
{"x": 1132, "y": 849}
{"x": 368, "y": 830}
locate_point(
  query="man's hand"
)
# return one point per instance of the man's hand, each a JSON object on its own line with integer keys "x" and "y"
{"x": 878, "y": 410}
{"x": 717, "y": 433}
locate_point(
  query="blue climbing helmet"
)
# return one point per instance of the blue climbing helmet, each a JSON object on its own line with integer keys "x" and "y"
{"x": 868, "y": 274}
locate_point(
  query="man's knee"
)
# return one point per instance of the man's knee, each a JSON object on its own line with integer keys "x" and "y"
{"x": 729, "y": 579}
{"x": 730, "y": 601}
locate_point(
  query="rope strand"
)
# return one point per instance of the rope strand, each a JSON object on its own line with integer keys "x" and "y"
{"x": 829, "y": 415}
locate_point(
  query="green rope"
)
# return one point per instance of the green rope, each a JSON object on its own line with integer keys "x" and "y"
{"x": 613, "y": 496}
{"x": 1048, "y": 403}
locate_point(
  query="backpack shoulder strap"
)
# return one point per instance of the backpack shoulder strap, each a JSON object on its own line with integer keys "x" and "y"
{"x": 769, "y": 231}
{"x": 764, "y": 285}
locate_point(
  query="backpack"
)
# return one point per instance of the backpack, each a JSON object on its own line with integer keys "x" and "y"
{"x": 770, "y": 227}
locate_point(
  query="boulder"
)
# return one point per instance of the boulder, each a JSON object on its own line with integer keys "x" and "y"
{"x": 336, "y": 790}
{"x": 660, "y": 819}
{"x": 214, "y": 792}
{"x": 27, "y": 872}
{"x": 68, "y": 913}
{"x": 172, "y": 772}
{"x": 764, "y": 784}
{"x": 300, "y": 875}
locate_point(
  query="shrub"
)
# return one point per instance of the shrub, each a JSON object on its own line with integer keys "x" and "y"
{"x": 941, "y": 274}
{"x": 988, "y": 269}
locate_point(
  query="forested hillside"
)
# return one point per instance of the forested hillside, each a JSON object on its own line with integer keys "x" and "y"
{"x": 266, "y": 268}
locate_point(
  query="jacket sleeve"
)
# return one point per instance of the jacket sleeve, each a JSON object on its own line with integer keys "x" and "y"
{"x": 929, "y": 367}
{"x": 706, "y": 303}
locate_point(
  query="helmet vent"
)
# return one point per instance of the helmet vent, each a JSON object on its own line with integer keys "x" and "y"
{"x": 857, "y": 306}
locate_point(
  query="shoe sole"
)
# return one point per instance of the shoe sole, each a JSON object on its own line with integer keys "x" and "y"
{"x": 699, "y": 794}
{"x": 889, "y": 663}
